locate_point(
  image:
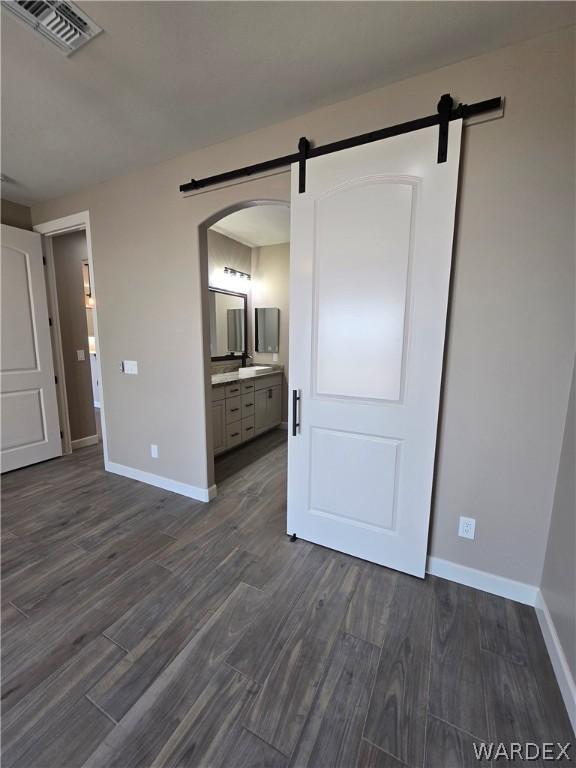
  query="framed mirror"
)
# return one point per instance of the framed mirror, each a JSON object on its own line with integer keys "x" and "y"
{"x": 228, "y": 323}
{"x": 267, "y": 329}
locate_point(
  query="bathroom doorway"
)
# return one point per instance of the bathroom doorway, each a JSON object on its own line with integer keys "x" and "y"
{"x": 246, "y": 289}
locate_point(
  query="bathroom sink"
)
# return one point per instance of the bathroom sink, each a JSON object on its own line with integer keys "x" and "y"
{"x": 253, "y": 370}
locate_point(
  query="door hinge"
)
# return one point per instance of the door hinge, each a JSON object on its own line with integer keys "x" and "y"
{"x": 61, "y": 435}
{"x": 44, "y": 260}
{"x": 50, "y": 321}
{"x": 56, "y": 379}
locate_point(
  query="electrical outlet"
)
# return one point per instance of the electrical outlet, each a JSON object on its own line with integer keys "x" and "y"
{"x": 467, "y": 527}
{"x": 80, "y": 355}
{"x": 153, "y": 451}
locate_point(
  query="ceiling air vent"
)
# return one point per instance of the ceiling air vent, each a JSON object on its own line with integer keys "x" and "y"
{"x": 62, "y": 23}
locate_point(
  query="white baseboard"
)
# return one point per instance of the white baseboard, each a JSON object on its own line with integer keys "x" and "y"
{"x": 83, "y": 442}
{"x": 191, "y": 491}
{"x": 487, "y": 582}
{"x": 562, "y": 671}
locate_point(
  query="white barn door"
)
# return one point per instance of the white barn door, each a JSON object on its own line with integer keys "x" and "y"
{"x": 30, "y": 426}
{"x": 370, "y": 256}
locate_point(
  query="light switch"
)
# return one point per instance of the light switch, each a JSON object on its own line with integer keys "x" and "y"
{"x": 80, "y": 354}
{"x": 130, "y": 366}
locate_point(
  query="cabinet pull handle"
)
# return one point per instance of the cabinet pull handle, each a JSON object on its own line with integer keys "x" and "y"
{"x": 295, "y": 415}
{"x": 249, "y": 428}
{"x": 235, "y": 434}
{"x": 248, "y": 405}
{"x": 233, "y": 410}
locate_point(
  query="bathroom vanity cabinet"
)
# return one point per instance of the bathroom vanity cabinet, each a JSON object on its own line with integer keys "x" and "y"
{"x": 245, "y": 408}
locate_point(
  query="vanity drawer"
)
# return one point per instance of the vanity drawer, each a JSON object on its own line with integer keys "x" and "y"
{"x": 233, "y": 409}
{"x": 233, "y": 389}
{"x": 233, "y": 434}
{"x": 266, "y": 382}
{"x": 218, "y": 393}
{"x": 247, "y": 387}
{"x": 247, "y": 405}
{"x": 247, "y": 428}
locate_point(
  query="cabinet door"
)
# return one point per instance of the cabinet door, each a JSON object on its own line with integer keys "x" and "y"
{"x": 219, "y": 426}
{"x": 261, "y": 410}
{"x": 268, "y": 408}
{"x": 275, "y": 406}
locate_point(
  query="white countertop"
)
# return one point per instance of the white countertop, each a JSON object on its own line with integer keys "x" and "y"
{"x": 228, "y": 378}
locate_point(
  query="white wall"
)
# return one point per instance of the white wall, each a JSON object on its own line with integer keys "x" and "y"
{"x": 270, "y": 278}
{"x": 559, "y": 574}
{"x": 15, "y": 215}
{"x": 511, "y": 337}
{"x": 225, "y": 252}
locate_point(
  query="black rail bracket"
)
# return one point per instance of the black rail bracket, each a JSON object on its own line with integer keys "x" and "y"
{"x": 303, "y": 151}
{"x": 444, "y": 111}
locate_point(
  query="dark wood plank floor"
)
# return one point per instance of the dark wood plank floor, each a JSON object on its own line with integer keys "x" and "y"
{"x": 143, "y": 629}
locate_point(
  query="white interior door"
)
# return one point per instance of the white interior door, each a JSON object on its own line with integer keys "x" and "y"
{"x": 30, "y": 428}
{"x": 371, "y": 249}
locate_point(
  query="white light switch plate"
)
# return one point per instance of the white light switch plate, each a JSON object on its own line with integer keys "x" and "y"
{"x": 130, "y": 366}
{"x": 80, "y": 354}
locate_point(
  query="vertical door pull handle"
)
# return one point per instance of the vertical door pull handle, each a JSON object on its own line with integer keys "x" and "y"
{"x": 295, "y": 414}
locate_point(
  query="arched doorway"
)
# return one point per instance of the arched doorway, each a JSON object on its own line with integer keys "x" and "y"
{"x": 244, "y": 269}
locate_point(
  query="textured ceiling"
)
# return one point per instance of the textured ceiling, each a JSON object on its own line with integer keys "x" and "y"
{"x": 257, "y": 225}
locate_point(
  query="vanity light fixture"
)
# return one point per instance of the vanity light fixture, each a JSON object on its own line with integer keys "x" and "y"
{"x": 237, "y": 273}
